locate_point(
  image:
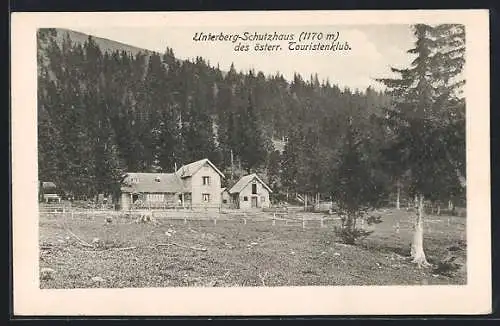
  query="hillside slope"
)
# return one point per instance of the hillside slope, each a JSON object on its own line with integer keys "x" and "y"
{"x": 105, "y": 45}
{"x": 100, "y": 115}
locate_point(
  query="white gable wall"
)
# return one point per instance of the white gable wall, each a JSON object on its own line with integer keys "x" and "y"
{"x": 213, "y": 189}
{"x": 262, "y": 196}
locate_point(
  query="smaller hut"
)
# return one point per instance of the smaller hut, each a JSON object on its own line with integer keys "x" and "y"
{"x": 48, "y": 192}
{"x": 250, "y": 192}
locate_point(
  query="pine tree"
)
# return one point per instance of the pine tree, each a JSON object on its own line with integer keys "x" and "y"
{"x": 274, "y": 170}
{"x": 252, "y": 150}
{"x": 290, "y": 160}
{"x": 426, "y": 108}
{"x": 358, "y": 184}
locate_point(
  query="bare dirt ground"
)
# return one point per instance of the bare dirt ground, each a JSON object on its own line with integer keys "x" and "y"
{"x": 86, "y": 251}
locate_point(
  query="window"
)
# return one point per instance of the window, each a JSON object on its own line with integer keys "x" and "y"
{"x": 157, "y": 179}
{"x": 224, "y": 201}
{"x": 206, "y": 198}
{"x": 254, "y": 188}
{"x": 245, "y": 198}
{"x": 206, "y": 181}
{"x": 134, "y": 180}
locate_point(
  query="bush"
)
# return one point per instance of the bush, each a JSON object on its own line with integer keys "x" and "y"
{"x": 350, "y": 236}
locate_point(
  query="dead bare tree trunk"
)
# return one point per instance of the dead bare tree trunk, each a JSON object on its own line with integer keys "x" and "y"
{"x": 417, "y": 245}
{"x": 398, "y": 197}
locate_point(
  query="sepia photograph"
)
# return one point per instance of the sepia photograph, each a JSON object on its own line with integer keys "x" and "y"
{"x": 264, "y": 155}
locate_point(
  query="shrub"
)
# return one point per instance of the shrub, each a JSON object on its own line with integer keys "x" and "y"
{"x": 350, "y": 236}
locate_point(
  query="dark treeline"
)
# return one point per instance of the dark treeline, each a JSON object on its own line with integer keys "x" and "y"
{"x": 101, "y": 114}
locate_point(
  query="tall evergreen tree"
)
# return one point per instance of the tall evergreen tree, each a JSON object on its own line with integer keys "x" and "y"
{"x": 358, "y": 183}
{"x": 421, "y": 122}
{"x": 252, "y": 152}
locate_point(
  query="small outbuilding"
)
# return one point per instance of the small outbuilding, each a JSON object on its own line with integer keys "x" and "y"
{"x": 48, "y": 192}
{"x": 249, "y": 192}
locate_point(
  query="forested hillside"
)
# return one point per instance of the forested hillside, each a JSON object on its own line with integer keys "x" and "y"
{"x": 104, "y": 110}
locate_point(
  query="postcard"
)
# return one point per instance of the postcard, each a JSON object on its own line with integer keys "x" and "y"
{"x": 251, "y": 163}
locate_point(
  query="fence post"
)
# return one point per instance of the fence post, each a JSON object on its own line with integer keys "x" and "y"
{"x": 215, "y": 221}
{"x": 303, "y": 223}
{"x": 397, "y": 227}
{"x": 321, "y": 222}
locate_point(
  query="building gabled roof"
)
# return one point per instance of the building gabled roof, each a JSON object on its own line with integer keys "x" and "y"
{"x": 189, "y": 169}
{"x": 48, "y": 185}
{"x": 152, "y": 183}
{"x": 244, "y": 181}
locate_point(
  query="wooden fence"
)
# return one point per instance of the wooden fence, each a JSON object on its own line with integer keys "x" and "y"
{"x": 192, "y": 215}
{"x": 269, "y": 217}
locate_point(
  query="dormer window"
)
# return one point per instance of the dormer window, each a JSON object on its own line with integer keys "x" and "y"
{"x": 134, "y": 180}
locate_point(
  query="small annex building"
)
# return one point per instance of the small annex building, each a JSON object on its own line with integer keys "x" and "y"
{"x": 249, "y": 192}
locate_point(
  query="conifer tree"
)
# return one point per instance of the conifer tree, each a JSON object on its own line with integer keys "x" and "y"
{"x": 426, "y": 117}
{"x": 252, "y": 151}
{"x": 358, "y": 183}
